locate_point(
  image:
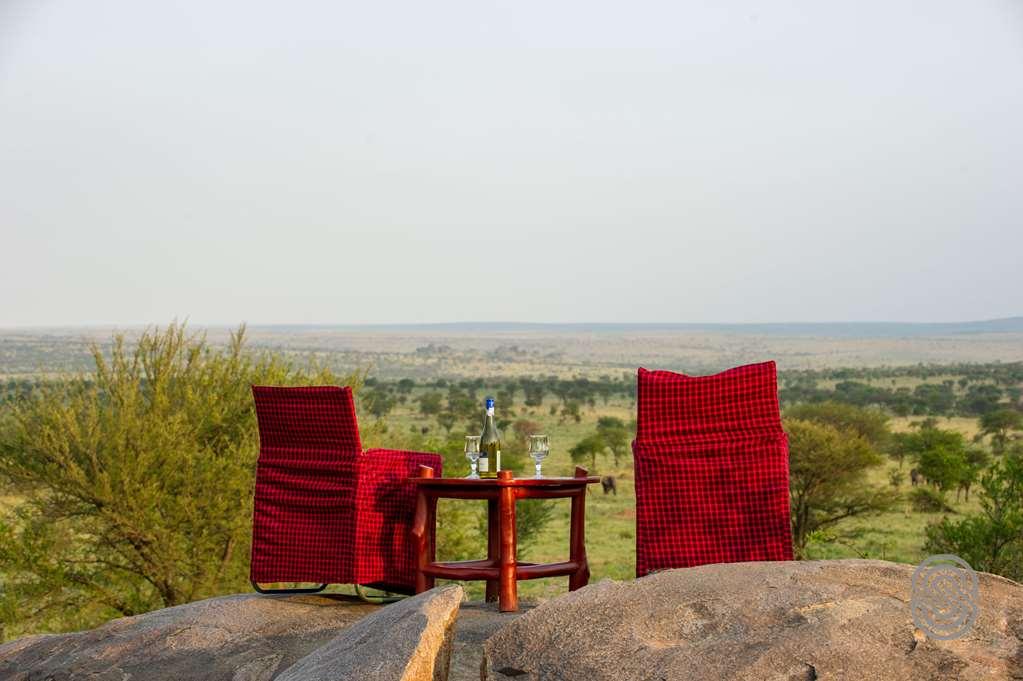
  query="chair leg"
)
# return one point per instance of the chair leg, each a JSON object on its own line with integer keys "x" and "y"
{"x": 377, "y": 600}
{"x": 300, "y": 590}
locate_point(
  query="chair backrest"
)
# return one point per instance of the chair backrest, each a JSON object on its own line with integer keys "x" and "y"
{"x": 739, "y": 402}
{"x": 307, "y": 422}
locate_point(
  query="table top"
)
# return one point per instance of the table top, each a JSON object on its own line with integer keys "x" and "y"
{"x": 581, "y": 478}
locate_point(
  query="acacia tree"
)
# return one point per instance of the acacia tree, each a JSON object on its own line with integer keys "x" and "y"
{"x": 942, "y": 456}
{"x": 431, "y": 403}
{"x": 615, "y": 435}
{"x": 999, "y": 424}
{"x": 827, "y": 478}
{"x": 378, "y": 402}
{"x": 870, "y": 424}
{"x": 587, "y": 449}
{"x": 136, "y": 480}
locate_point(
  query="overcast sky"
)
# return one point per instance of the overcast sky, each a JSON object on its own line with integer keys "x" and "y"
{"x": 676, "y": 161}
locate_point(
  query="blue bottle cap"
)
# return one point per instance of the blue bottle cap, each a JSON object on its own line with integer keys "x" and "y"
{"x": 490, "y": 403}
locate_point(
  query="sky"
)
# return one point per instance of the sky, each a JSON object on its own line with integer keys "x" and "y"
{"x": 573, "y": 161}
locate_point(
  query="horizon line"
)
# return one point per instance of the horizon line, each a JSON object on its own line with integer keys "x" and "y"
{"x": 264, "y": 325}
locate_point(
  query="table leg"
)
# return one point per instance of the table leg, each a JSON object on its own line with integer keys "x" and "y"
{"x": 577, "y": 542}
{"x": 493, "y": 546}
{"x": 431, "y": 525}
{"x": 424, "y": 529}
{"x": 509, "y": 598}
{"x": 421, "y": 540}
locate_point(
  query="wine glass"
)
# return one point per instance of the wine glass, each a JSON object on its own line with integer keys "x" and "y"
{"x": 472, "y": 452}
{"x": 538, "y": 450}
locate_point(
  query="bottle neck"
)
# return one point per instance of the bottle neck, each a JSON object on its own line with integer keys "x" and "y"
{"x": 489, "y": 427}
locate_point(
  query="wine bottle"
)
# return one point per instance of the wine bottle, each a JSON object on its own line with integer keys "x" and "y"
{"x": 490, "y": 444}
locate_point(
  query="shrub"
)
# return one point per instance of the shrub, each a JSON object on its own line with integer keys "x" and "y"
{"x": 137, "y": 480}
{"x": 991, "y": 540}
{"x": 928, "y": 500}
{"x": 895, "y": 478}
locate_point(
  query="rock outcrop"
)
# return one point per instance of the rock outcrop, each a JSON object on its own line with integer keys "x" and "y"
{"x": 239, "y": 638}
{"x": 408, "y": 641}
{"x": 847, "y": 619}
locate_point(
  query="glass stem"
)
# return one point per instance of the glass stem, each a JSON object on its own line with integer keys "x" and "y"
{"x": 538, "y": 469}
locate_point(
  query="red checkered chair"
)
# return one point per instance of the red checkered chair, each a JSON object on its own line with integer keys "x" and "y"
{"x": 712, "y": 469}
{"x": 325, "y": 511}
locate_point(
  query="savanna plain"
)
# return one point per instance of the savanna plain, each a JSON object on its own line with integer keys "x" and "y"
{"x": 905, "y": 441}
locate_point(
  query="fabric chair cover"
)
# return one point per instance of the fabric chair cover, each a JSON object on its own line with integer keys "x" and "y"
{"x": 324, "y": 510}
{"x": 712, "y": 473}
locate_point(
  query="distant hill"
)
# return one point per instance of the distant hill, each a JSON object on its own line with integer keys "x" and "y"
{"x": 812, "y": 329}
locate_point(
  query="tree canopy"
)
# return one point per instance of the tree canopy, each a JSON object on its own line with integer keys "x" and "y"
{"x": 827, "y": 478}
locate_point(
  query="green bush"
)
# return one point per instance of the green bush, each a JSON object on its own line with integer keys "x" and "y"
{"x": 928, "y": 500}
{"x": 136, "y": 481}
{"x": 991, "y": 540}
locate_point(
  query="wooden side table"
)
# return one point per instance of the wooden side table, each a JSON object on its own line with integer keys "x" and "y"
{"x": 500, "y": 569}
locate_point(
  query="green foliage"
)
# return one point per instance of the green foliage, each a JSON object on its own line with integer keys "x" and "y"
{"x": 999, "y": 424}
{"x": 612, "y": 434}
{"x": 895, "y": 478}
{"x": 870, "y": 424}
{"x": 827, "y": 478}
{"x": 534, "y": 392}
{"x": 137, "y": 480}
{"x": 980, "y": 399}
{"x": 991, "y": 540}
{"x": 941, "y": 456}
{"x": 928, "y": 500}
{"x": 431, "y": 403}
{"x": 462, "y": 405}
{"x": 447, "y": 421}
{"x": 615, "y": 435}
{"x": 587, "y": 449}
{"x": 981, "y": 388}
{"x": 977, "y": 460}
{"x": 377, "y": 401}
{"x": 943, "y": 467}
{"x": 506, "y": 399}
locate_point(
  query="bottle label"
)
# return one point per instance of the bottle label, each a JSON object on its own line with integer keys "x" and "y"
{"x": 483, "y": 465}
{"x": 498, "y": 462}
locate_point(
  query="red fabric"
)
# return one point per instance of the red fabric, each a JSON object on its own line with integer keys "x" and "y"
{"x": 386, "y": 498}
{"x": 325, "y": 511}
{"x": 711, "y": 469}
{"x": 676, "y": 409}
